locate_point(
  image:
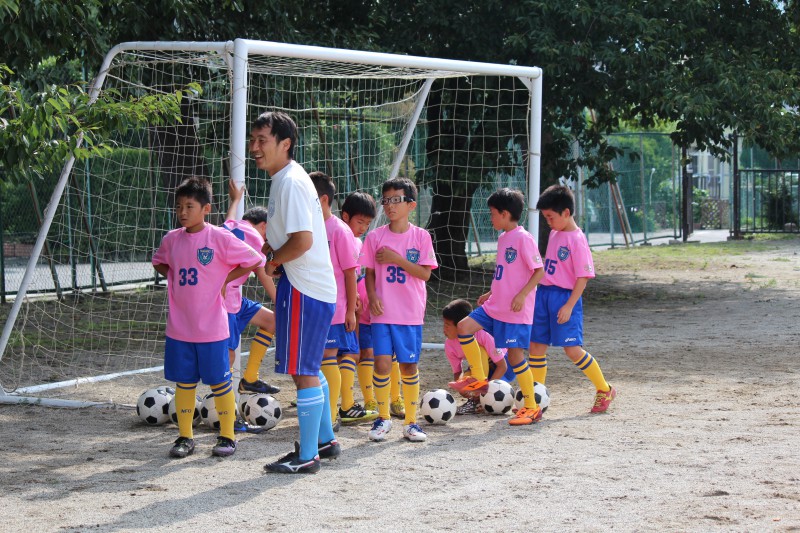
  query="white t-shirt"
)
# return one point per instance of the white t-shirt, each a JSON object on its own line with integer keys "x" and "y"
{"x": 294, "y": 206}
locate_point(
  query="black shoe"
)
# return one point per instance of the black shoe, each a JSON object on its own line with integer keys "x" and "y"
{"x": 224, "y": 447}
{"x": 240, "y": 425}
{"x": 329, "y": 450}
{"x": 337, "y": 425}
{"x": 183, "y": 447}
{"x": 291, "y": 464}
{"x": 257, "y": 387}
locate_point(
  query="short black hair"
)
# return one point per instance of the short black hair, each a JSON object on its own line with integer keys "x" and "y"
{"x": 196, "y": 188}
{"x": 256, "y": 215}
{"x": 324, "y": 185}
{"x": 557, "y": 198}
{"x": 456, "y": 310}
{"x": 359, "y": 203}
{"x": 281, "y": 125}
{"x": 511, "y": 200}
{"x": 401, "y": 184}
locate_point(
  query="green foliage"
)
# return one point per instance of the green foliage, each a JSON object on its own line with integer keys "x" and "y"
{"x": 778, "y": 207}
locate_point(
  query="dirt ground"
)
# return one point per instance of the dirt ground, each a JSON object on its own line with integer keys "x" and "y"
{"x": 703, "y": 436}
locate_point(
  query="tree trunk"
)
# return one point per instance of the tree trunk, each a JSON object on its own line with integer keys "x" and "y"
{"x": 449, "y": 226}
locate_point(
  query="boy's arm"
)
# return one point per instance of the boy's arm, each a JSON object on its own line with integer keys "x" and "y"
{"x": 162, "y": 269}
{"x": 240, "y": 271}
{"x": 386, "y": 255}
{"x": 299, "y": 243}
{"x": 499, "y": 369}
{"x": 235, "y": 193}
{"x": 483, "y": 297}
{"x": 566, "y": 310}
{"x": 518, "y": 302}
{"x": 351, "y": 289}
{"x": 375, "y": 304}
{"x": 266, "y": 282}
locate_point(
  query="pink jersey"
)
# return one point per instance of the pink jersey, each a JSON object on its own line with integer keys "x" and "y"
{"x": 344, "y": 256}
{"x": 403, "y": 295}
{"x": 568, "y": 258}
{"x": 364, "y": 316}
{"x": 244, "y": 231}
{"x": 455, "y": 354}
{"x": 517, "y": 259}
{"x": 198, "y": 264}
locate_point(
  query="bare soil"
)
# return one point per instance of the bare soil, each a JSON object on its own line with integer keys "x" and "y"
{"x": 701, "y": 342}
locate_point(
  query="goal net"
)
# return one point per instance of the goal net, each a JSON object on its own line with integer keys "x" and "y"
{"x": 93, "y": 308}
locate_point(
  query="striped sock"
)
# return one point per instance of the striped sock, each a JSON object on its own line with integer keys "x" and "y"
{"x": 330, "y": 367}
{"x": 538, "y": 365}
{"x": 347, "y": 369}
{"x": 411, "y": 396}
{"x": 310, "y": 404}
{"x": 184, "y": 407}
{"x": 258, "y": 349}
{"x": 525, "y": 380}
{"x": 380, "y": 383}
{"x": 472, "y": 351}
{"x": 225, "y": 403}
{"x": 591, "y": 368}
{"x": 365, "y": 371}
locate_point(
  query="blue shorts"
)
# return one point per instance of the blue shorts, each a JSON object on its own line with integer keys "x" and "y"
{"x": 403, "y": 341}
{"x": 238, "y": 321}
{"x": 505, "y": 335}
{"x": 546, "y": 329}
{"x": 340, "y": 338}
{"x": 365, "y": 336}
{"x": 190, "y": 362}
{"x": 300, "y": 340}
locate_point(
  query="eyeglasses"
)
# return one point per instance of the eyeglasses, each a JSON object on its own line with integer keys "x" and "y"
{"x": 396, "y": 199}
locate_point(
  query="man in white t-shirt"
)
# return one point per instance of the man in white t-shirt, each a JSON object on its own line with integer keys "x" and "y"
{"x": 297, "y": 246}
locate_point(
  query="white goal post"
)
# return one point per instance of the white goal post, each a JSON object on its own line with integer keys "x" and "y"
{"x": 457, "y": 126}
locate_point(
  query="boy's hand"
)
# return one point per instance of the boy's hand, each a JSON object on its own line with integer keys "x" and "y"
{"x": 518, "y": 303}
{"x": 358, "y": 306}
{"x": 350, "y": 322}
{"x": 234, "y": 191}
{"x": 376, "y": 306}
{"x": 564, "y": 314}
{"x": 483, "y": 297}
{"x": 387, "y": 255}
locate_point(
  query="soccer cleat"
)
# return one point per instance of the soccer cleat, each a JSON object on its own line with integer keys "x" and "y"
{"x": 291, "y": 463}
{"x": 240, "y": 425}
{"x": 526, "y": 416}
{"x": 183, "y": 447}
{"x": 603, "y": 399}
{"x": 398, "y": 408}
{"x": 356, "y": 414}
{"x": 475, "y": 386}
{"x": 224, "y": 447}
{"x": 257, "y": 387}
{"x": 414, "y": 433}
{"x": 380, "y": 428}
{"x": 337, "y": 424}
{"x": 470, "y": 407}
{"x": 329, "y": 450}
{"x": 371, "y": 405}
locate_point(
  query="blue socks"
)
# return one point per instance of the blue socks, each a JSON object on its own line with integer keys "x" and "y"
{"x": 310, "y": 404}
{"x": 325, "y": 425}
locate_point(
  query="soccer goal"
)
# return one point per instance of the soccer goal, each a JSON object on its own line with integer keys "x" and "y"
{"x": 90, "y": 308}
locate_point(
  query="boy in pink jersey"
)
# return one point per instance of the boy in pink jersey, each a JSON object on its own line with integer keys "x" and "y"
{"x": 341, "y": 346}
{"x": 493, "y": 359}
{"x": 558, "y": 320}
{"x": 506, "y": 311}
{"x": 399, "y": 258}
{"x": 199, "y": 260}
{"x": 242, "y": 311}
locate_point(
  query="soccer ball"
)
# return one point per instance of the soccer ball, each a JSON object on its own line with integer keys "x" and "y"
{"x": 242, "y": 402}
{"x": 437, "y": 406}
{"x": 539, "y": 393}
{"x": 166, "y": 389}
{"x": 208, "y": 411}
{"x": 262, "y": 410}
{"x": 153, "y": 406}
{"x": 173, "y": 414}
{"x": 499, "y": 398}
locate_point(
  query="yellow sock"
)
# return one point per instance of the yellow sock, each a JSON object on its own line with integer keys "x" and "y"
{"x": 347, "y": 369}
{"x": 330, "y": 369}
{"x": 525, "y": 380}
{"x": 411, "y": 397}
{"x": 184, "y": 407}
{"x": 395, "y": 382}
{"x": 381, "y": 386}
{"x": 365, "y": 371}
{"x": 538, "y": 365}
{"x": 485, "y": 361}
{"x": 225, "y": 402}
{"x": 589, "y": 366}
{"x": 258, "y": 349}
{"x": 472, "y": 351}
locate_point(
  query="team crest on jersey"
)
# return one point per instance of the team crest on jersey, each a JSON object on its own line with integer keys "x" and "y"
{"x": 563, "y": 253}
{"x": 412, "y": 254}
{"x": 205, "y": 255}
{"x": 510, "y": 255}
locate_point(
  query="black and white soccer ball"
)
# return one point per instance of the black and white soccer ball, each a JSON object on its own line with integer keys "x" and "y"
{"x": 173, "y": 412}
{"x": 539, "y": 393}
{"x": 262, "y": 410}
{"x": 437, "y": 406}
{"x": 498, "y": 398}
{"x": 208, "y": 411}
{"x": 153, "y": 406}
{"x": 242, "y": 402}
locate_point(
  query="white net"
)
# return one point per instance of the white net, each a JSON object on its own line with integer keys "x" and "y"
{"x": 95, "y": 305}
